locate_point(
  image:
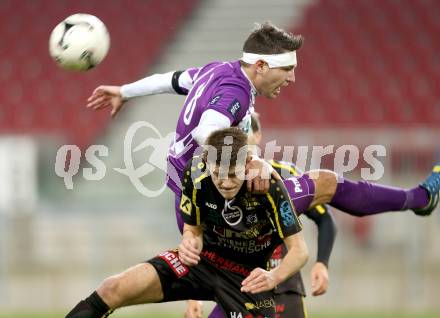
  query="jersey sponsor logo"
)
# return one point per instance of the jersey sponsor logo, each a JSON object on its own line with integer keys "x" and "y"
{"x": 224, "y": 263}
{"x": 258, "y": 230}
{"x": 232, "y": 214}
{"x": 234, "y": 107}
{"x": 249, "y": 202}
{"x": 185, "y": 204}
{"x": 246, "y": 247}
{"x": 243, "y": 242}
{"x": 287, "y": 214}
{"x": 297, "y": 184}
{"x": 264, "y": 303}
{"x": 174, "y": 263}
{"x": 215, "y": 99}
{"x": 211, "y": 205}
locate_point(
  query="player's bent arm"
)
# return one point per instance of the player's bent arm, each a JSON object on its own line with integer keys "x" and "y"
{"x": 327, "y": 230}
{"x": 294, "y": 260}
{"x": 115, "y": 96}
{"x": 191, "y": 244}
{"x": 175, "y": 82}
{"x": 258, "y": 174}
{"x": 324, "y": 220}
{"x": 319, "y": 277}
{"x": 210, "y": 121}
{"x": 260, "y": 280}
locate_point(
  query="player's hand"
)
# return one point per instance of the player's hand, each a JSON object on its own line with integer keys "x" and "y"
{"x": 259, "y": 280}
{"x": 258, "y": 173}
{"x": 106, "y": 96}
{"x": 319, "y": 277}
{"x": 194, "y": 309}
{"x": 189, "y": 250}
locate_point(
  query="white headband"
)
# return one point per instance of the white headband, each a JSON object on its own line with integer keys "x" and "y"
{"x": 274, "y": 60}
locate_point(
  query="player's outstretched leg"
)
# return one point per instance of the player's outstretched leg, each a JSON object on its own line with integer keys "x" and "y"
{"x": 432, "y": 186}
{"x": 139, "y": 284}
{"x": 362, "y": 198}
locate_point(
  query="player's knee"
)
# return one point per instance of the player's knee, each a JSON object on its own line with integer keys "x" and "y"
{"x": 325, "y": 184}
{"x": 110, "y": 291}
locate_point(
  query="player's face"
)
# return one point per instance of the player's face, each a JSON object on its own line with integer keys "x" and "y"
{"x": 273, "y": 79}
{"x": 227, "y": 181}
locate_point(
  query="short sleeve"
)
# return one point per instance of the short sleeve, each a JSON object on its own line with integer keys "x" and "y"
{"x": 284, "y": 216}
{"x": 188, "y": 207}
{"x": 230, "y": 100}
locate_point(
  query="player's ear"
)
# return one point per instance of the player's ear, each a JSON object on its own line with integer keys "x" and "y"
{"x": 261, "y": 66}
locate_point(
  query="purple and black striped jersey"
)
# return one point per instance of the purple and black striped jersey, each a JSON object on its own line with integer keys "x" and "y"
{"x": 219, "y": 86}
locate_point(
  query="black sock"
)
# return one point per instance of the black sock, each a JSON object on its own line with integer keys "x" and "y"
{"x": 92, "y": 307}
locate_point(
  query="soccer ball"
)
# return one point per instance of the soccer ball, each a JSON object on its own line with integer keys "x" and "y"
{"x": 79, "y": 42}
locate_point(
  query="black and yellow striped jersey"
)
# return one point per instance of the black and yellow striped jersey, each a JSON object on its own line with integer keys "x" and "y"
{"x": 245, "y": 229}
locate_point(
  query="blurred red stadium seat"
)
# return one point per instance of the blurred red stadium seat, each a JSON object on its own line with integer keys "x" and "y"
{"x": 37, "y": 97}
{"x": 366, "y": 62}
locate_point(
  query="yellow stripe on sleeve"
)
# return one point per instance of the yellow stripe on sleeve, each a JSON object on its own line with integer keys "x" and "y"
{"x": 320, "y": 209}
{"x": 194, "y": 196}
{"x": 291, "y": 169}
{"x": 436, "y": 169}
{"x": 203, "y": 176}
{"x": 275, "y": 210}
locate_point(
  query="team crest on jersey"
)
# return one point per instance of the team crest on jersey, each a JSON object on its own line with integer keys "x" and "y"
{"x": 215, "y": 99}
{"x": 287, "y": 214}
{"x": 185, "y": 204}
{"x": 232, "y": 214}
{"x": 251, "y": 219}
{"x": 234, "y": 107}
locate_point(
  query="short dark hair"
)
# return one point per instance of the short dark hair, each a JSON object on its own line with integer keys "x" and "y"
{"x": 255, "y": 122}
{"x": 226, "y": 146}
{"x": 267, "y": 38}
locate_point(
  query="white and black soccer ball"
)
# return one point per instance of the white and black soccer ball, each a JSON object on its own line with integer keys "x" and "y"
{"x": 79, "y": 42}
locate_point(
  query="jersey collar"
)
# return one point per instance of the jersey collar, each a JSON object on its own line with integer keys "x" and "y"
{"x": 253, "y": 89}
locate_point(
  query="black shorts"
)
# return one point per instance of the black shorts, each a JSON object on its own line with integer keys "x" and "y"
{"x": 207, "y": 281}
{"x": 290, "y": 305}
